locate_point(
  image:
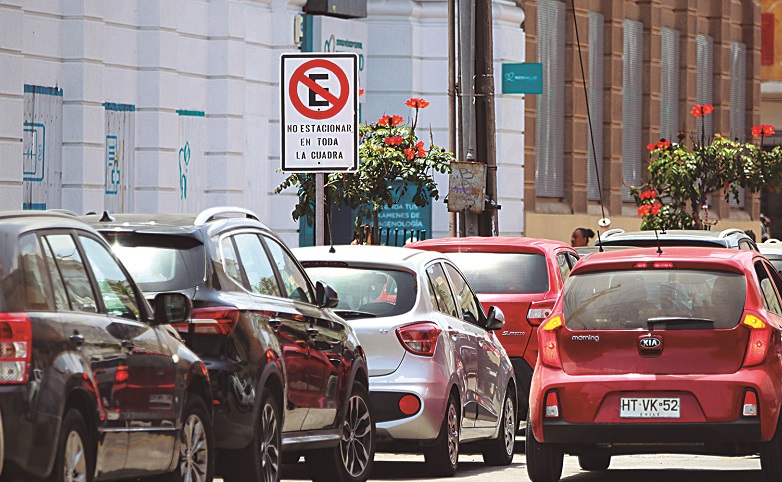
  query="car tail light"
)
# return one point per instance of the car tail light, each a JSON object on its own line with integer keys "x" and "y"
{"x": 214, "y": 320}
{"x": 15, "y": 346}
{"x": 409, "y": 404}
{"x": 759, "y": 339}
{"x": 549, "y": 347}
{"x": 419, "y": 338}
{"x": 750, "y": 405}
{"x": 552, "y": 405}
{"x": 539, "y": 311}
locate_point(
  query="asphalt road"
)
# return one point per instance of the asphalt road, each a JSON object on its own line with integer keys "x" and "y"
{"x": 635, "y": 468}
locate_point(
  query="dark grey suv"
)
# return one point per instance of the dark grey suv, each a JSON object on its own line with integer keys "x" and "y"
{"x": 288, "y": 376}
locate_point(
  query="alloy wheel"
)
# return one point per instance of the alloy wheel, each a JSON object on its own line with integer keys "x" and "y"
{"x": 356, "y": 444}
{"x": 193, "y": 452}
{"x": 75, "y": 463}
{"x": 453, "y": 434}
{"x": 270, "y": 452}
{"x": 509, "y": 429}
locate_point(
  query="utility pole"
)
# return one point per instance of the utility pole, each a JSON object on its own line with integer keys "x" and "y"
{"x": 486, "y": 144}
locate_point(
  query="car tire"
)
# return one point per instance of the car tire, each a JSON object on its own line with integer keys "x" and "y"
{"x": 594, "y": 461}
{"x": 260, "y": 461}
{"x": 443, "y": 457}
{"x": 75, "y": 454}
{"x": 196, "y": 445}
{"x": 771, "y": 457}
{"x": 544, "y": 460}
{"x": 352, "y": 459}
{"x": 499, "y": 451}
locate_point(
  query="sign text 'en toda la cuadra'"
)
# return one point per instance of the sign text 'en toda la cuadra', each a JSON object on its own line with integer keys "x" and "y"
{"x": 319, "y": 112}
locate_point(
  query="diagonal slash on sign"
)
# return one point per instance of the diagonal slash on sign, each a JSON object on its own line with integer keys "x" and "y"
{"x": 337, "y": 103}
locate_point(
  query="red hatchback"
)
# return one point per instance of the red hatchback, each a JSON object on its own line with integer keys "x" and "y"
{"x": 521, "y": 276}
{"x": 672, "y": 352}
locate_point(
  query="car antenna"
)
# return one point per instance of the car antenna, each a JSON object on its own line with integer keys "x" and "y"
{"x": 604, "y": 221}
{"x": 106, "y": 218}
{"x": 659, "y": 248}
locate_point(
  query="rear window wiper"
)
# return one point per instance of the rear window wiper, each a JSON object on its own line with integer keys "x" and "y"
{"x": 678, "y": 320}
{"x": 354, "y": 314}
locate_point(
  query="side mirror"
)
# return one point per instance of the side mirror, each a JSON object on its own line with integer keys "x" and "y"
{"x": 172, "y": 308}
{"x": 495, "y": 320}
{"x": 325, "y": 296}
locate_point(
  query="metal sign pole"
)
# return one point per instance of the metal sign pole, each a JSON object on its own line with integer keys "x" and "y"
{"x": 320, "y": 201}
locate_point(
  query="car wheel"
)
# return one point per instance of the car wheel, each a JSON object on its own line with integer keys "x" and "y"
{"x": 259, "y": 461}
{"x": 352, "y": 459}
{"x": 443, "y": 457}
{"x": 544, "y": 461}
{"x": 596, "y": 461}
{"x": 196, "y": 458}
{"x": 74, "y": 460}
{"x": 499, "y": 451}
{"x": 771, "y": 457}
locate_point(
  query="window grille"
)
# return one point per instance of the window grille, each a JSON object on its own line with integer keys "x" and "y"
{"x": 669, "y": 84}
{"x": 738, "y": 101}
{"x": 704, "y": 84}
{"x": 595, "y": 89}
{"x": 632, "y": 108}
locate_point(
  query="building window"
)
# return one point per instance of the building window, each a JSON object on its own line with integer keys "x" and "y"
{"x": 595, "y": 134}
{"x": 550, "y": 120}
{"x": 704, "y": 83}
{"x": 632, "y": 108}
{"x": 669, "y": 84}
{"x": 738, "y": 101}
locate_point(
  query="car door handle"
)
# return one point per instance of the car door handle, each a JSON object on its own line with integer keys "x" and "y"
{"x": 275, "y": 323}
{"x": 128, "y": 344}
{"x": 77, "y": 338}
{"x": 312, "y": 332}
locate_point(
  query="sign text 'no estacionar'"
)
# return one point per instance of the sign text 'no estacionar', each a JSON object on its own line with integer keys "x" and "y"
{"x": 319, "y": 112}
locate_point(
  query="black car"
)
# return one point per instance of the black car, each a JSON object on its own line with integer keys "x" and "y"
{"x": 92, "y": 383}
{"x": 288, "y": 375}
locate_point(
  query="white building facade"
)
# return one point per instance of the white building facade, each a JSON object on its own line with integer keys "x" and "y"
{"x": 173, "y": 105}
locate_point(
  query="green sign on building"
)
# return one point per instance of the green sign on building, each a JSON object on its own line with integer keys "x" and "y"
{"x": 522, "y": 78}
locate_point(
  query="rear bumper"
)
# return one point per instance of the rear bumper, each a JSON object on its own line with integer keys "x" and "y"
{"x": 740, "y": 431}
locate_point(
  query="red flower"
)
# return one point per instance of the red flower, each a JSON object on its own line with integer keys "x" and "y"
{"x": 656, "y": 208}
{"x": 707, "y": 109}
{"x": 396, "y": 119}
{"x": 768, "y": 130}
{"x": 421, "y": 150}
{"x": 651, "y": 147}
{"x": 383, "y": 121}
{"x": 417, "y": 103}
{"x": 360, "y": 92}
{"x": 664, "y": 144}
{"x": 644, "y": 210}
{"x": 409, "y": 153}
{"x": 393, "y": 140}
{"x": 696, "y": 110}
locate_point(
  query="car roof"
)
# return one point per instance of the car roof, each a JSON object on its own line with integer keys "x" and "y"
{"x": 490, "y": 243}
{"x": 723, "y": 238}
{"x": 363, "y": 255}
{"x": 22, "y": 221}
{"x": 689, "y": 256}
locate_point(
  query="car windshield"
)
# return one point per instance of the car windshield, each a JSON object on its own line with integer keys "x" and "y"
{"x": 160, "y": 262}
{"x": 503, "y": 272}
{"x": 628, "y": 300}
{"x": 367, "y": 291}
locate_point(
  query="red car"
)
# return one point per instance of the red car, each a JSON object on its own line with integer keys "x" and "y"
{"x": 676, "y": 351}
{"x": 521, "y": 276}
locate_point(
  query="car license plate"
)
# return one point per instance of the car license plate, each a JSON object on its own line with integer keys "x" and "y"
{"x": 649, "y": 408}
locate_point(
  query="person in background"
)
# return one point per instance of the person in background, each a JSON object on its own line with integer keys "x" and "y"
{"x": 751, "y": 234}
{"x": 581, "y": 237}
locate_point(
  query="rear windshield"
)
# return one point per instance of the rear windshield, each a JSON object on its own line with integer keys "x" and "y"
{"x": 160, "y": 262}
{"x": 503, "y": 272}
{"x": 653, "y": 298}
{"x": 378, "y": 292}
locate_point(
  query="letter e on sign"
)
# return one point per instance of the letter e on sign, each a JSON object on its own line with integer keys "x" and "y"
{"x": 319, "y": 95}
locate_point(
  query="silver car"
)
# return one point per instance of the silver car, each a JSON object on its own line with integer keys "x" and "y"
{"x": 438, "y": 376}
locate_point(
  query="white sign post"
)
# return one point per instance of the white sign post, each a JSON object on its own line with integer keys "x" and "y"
{"x": 319, "y": 119}
{"x": 319, "y": 115}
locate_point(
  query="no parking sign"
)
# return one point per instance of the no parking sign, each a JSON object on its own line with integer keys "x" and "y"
{"x": 319, "y": 112}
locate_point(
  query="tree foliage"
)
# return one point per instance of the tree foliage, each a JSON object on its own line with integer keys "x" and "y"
{"x": 683, "y": 175}
{"x": 388, "y": 150}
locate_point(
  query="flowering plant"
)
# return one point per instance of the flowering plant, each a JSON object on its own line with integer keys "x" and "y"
{"x": 681, "y": 177}
{"x": 389, "y": 149}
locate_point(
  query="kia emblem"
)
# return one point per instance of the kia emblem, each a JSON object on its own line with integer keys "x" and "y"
{"x": 650, "y": 342}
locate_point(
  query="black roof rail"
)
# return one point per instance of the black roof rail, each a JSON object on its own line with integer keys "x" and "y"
{"x": 222, "y": 212}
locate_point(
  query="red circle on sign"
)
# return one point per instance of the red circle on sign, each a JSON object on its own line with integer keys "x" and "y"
{"x": 337, "y": 103}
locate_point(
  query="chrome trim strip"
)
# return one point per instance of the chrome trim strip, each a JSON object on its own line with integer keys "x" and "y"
{"x": 137, "y": 429}
{"x": 309, "y": 438}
